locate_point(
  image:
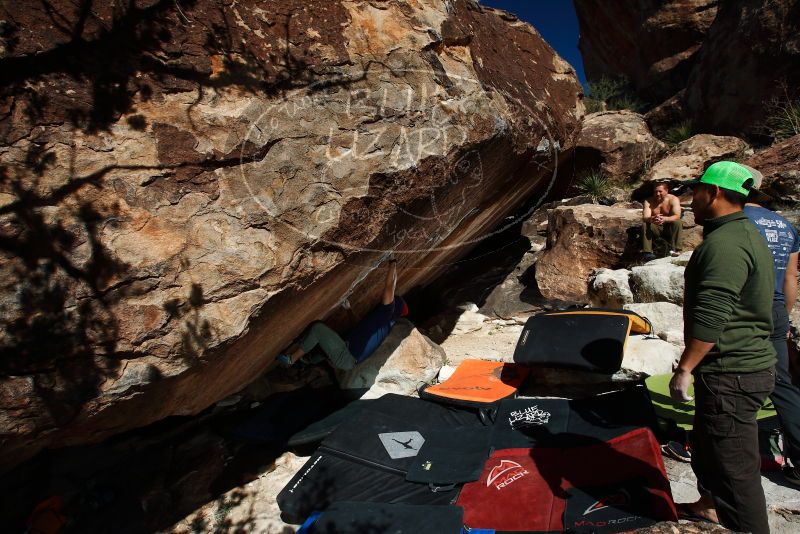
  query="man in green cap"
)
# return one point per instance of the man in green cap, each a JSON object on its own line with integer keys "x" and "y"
{"x": 729, "y": 283}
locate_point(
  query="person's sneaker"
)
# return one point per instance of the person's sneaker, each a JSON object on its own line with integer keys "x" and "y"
{"x": 284, "y": 360}
{"x": 648, "y": 256}
{"x": 677, "y": 451}
{"x": 674, "y": 253}
{"x": 792, "y": 475}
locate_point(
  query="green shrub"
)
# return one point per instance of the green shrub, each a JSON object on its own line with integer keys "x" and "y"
{"x": 593, "y": 105}
{"x": 612, "y": 94}
{"x": 606, "y": 88}
{"x": 783, "y": 118}
{"x": 595, "y": 184}
{"x": 626, "y": 101}
{"x": 679, "y": 133}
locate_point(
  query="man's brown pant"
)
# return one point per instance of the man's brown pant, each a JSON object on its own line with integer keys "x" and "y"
{"x": 669, "y": 232}
{"x": 725, "y": 454}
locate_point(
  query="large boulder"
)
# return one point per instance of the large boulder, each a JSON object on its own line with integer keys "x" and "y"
{"x": 404, "y": 361}
{"x": 583, "y": 238}
{"x": 659, "y": 280}
{"x": 609, "y": 288}
{"x": 651, "y": 43}
{"x": 620, "y": 141}
{"x": 780, "y": 165}
{"x": 691, "y": 157}
{"x": 187, "y": 185}
{"x": 750, "y": 56}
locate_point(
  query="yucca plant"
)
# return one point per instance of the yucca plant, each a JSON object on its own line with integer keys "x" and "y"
{"x": 605, "y": 88}
{"x": 595, "y": 184}
{"x": 627, "y": 101}
{"x": 679, "y": 133}
{"x": 783, "y": 120}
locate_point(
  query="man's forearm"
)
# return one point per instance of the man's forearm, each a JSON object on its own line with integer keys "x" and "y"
{"x": 390, "y": 283}
{"x": 693, "y": 354}
{"x": 790, "y": 282}
{"x": 790, "y": 292}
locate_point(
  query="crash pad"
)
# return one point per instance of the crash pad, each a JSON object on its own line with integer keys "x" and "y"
{"x": 590, "y": 341}
{"x": 622, "y": 482}
{"x": 550, "y": 422}
{"x": 639, "y": 324}
{"x": 281, "y": 416}
{"x": 367, "y": 457}
{"x": 682, "y": 413}
{"x": 318, "y": 430}
{"x": 478, "y": 382}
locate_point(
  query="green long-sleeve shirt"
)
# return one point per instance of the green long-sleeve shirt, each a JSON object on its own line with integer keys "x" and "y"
{"x": 728, "y": 296}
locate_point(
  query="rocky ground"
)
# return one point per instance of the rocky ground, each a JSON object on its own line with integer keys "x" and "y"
{"x": 252, "y": 506}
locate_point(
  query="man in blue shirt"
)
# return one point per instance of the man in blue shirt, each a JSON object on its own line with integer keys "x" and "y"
{"x": 784, "y": 244}
{"x": 362, "y": 340}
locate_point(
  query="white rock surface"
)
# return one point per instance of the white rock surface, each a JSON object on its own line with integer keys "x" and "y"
{"x": 609, "y": 288}
{"x": 403, "y": 362}
{"x": 666, "y": 318}
{"x": 649, "y": 355}
{"x": 492, "y": 342}
{"x": 469, "y": 321}
{"x": 446, "y": 372}
{"x": 660, "y": 282}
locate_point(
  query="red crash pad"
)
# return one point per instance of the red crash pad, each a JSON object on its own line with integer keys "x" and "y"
{"x": 616, "y": 485}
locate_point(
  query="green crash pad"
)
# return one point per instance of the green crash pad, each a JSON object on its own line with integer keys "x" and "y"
{"x": 683, "y": 412}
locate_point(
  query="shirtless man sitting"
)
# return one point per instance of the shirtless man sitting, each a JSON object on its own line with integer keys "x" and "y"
{"x": 661, "y": 218}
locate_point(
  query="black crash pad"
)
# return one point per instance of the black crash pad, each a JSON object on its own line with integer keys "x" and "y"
{"x": 544, "y": 422}
{"x": 368, "y": 457}
{"x": 589, "y": 341}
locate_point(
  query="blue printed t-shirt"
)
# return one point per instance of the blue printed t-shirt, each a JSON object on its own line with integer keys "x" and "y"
{"x": 782, "y": 240}
{"x": 369, "y": 333}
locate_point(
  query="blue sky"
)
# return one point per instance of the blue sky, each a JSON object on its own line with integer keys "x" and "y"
{"x": 555, "y": 20}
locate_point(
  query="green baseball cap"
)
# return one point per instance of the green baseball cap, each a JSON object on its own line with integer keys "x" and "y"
{"x": 727, "y": 175}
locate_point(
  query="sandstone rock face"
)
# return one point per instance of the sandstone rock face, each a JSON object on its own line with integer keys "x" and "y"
{"x": 512, "y": 295}
{"x": 583, "y": 238}
{"x": 404, "y": 361}
{"x": 659, "y": 280}
{"x": 691, "y": 157}
{"x": 186, "y": 186}
{"x": 719, "y": 64}
{"x": 621, "y": 141}
{"x": 692, "y": 232}
{"x": 652, "y": 43}
{"x": 751, "y": 52}
{"x": 667, "y": 114}
{"x": 780, "y": 165}
{"x": 609, "y": 288}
